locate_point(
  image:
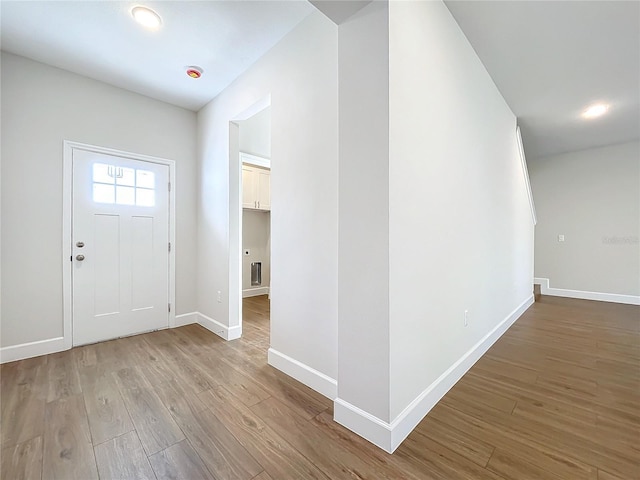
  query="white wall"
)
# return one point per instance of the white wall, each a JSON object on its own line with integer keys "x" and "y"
{"x": 363, "y": 266}
{"x": 300, "y": 76}
{"x": 256, "y": 234}
{"x": 255, "y": 134}
{"x": 41, "y": 107}
{"x": 460, "y": 233}
{"x": 434, "y": 216}
{"x": 592, "y": 197}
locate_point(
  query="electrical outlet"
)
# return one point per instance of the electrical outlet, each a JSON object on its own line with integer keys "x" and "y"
{"x": 561, "y": 238}
{"x": 219, "y": 296}
{"x": 466, "y": 318}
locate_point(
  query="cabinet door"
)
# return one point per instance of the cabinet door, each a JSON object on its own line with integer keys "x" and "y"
{"x": 263, "y": 180}
{"x": 249, "y": 188}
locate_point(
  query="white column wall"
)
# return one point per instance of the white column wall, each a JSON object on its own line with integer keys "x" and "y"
{"x": 461, "y": 235}
{"x": 363, "y": 261}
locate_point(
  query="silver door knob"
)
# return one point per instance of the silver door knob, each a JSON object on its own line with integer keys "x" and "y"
{"x": 80, "y": 257}
{"x": 80, "y": 244}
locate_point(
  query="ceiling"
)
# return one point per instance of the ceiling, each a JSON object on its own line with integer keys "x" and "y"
{"x": 550, "y": 59}
{"x": 99, "y": 39}
{"x": 339, "y": 10}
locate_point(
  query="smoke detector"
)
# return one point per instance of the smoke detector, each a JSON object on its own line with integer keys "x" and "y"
{"x": 194, "y": 71}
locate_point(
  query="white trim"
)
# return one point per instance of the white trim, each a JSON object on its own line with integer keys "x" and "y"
{"x": 67, "y": 249}
{"x": 32, "y": 349}
{"x": 235, "y": 226}
{"x": 172, "y": 240}
{"x": 545, "y": 289}
{"x": 525, "y": 173}
{"x": 228, "y": 333}
{"x": 186, "y": 319}
{"x": 254, "y": 292}
{"x": 53, "y": 345}
{"x": 255, "y": 160}
{"x": 312, "y": 378}
{"x": 404, "y": 423}
{"x": 389, "y": 436}
{"x": 363, "y": 423}
{"x": 67, "y": 225}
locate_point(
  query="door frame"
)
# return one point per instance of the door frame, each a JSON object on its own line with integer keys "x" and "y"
{"x": 235, "y": 215}
{"x": 67, "y": 227}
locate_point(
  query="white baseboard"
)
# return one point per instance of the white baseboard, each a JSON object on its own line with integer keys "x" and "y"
{"x": 404, "y": 423}
{"x": 254, "y": 292}
{"x": 53, "y": 345}
{"x": 389, "y": 436}
{"x": 545, "y": 289}
{"x": 312, "y": 378}
{"x": 185, "y": 319}
{"x": 32, "y": 349}
{"x": 228, "y": 333}
{"x": 364, "y": 424}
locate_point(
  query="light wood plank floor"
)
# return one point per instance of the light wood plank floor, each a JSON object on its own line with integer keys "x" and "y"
{"x": 557, "y": 397}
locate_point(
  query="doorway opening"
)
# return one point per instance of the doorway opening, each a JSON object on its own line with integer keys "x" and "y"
{"x": 250, "y": 222}
{"x": 254, "y": 137}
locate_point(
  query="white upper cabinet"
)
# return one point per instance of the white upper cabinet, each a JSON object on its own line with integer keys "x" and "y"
{"x": 264, "y": 189}
{"x": 256, "y": 188}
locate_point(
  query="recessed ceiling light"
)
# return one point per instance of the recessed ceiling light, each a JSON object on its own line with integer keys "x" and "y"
{"x": 146, "y": 17}
{"x": 595, "y": 110}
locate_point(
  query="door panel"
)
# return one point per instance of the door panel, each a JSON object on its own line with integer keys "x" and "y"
{"x": 249, "y": 186}
{"x": 142, "y": 264}
{"x": 264, "y": 189}
{"x": 106, "y": 258}
{"x": 121, "y": 228}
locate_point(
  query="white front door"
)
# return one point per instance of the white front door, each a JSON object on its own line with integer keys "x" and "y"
{"x": 120, "y": 246}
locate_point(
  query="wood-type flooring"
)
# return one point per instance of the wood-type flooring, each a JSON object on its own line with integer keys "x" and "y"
{"x": 557, "y": 397}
